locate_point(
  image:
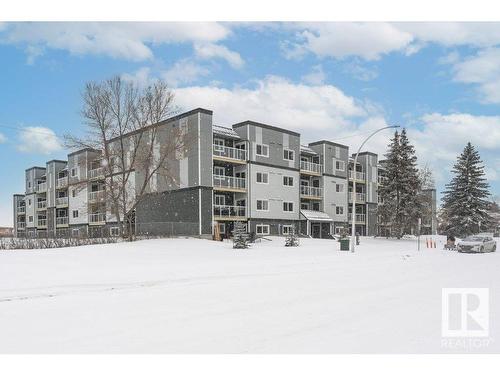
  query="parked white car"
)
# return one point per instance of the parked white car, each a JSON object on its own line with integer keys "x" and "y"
{"x": 477, "y": 244}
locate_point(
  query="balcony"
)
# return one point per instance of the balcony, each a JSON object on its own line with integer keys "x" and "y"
{"x": 95, "y": 174}
{"x": 311, "y": 192}
{"x": 360, "y": 218}
{"x": 97, "y": 218}
{"x": 41, "y": 187}
{"x": 97, "y": 196}
{"x": 311, "y": 168}
{"x": 229, "y": 212}
{"x": 360, "y": 197}
{"x": 41, "y": 205}
{"x": 62, "y": 201}
{"x": 41, "y": 223}
{"x": 230, "y": 154}
{"x": 62, "y": 182}
{"x": 229, "y": 183}
{"x": 21, "y": 225}
{"x": 62, "y": 221}
{"x": 358, "y": 176}
{"x": 21, "y": 210}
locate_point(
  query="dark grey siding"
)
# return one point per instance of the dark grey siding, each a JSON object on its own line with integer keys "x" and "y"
{"x": 371, "y": 219}
{"x": 274, "y": 225}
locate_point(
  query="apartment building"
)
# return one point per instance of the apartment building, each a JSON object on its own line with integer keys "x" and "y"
{"x": 252, "y": 172}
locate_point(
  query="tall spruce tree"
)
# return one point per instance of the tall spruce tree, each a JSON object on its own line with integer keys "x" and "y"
{"x": 400, "y": 189}
{"x": 465, "y": 203}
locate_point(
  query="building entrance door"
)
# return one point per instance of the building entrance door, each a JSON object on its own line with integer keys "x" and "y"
{"x": 315, "y": 230}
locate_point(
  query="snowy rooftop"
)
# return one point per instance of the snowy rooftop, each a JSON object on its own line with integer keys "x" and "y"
{"x": 315, "y": 215}
{"x": 225, "y": 132}
{"x": 306, "y": 150}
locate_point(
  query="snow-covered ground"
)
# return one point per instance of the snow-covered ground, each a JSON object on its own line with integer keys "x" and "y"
{"x": 199, "y": 296}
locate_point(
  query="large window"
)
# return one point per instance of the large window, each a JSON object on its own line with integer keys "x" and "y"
{"x": 262, "y": 177}
{"x": 220, "y": 200}
{"x": 262, "y": 150}
{"x": 288, "y": 206}
{"x": 219, "y": 171}
{"x": 287, "y": 154}
{"x": 287, "y": 181}
{"x": 339, "y": 165}
{"x": 339, "y": 188}
{"x": 339, "y": 210}
{"x": 262, "y": 229}
{"x": 262, "y": 205}
{"x": 218, "y": 144}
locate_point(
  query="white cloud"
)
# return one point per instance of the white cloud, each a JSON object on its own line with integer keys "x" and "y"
{"x": 3, "y": 138}
{"x": 38, "y": 139}
{"x": 182, "y": 72}
{"x": 210, "y": 51}
{"x": 360, "y": 72}
{"x": 126, "y": 40}
{"x": 141, "y": 77}
{"x": 316, "y": 77}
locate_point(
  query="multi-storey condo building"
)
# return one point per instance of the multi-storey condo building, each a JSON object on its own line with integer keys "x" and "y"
{"x": 252, "y": 172}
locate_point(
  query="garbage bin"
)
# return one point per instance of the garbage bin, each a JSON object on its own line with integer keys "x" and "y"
{"x": 344, "y": 244}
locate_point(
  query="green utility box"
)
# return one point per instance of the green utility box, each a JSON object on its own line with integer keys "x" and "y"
{"x": 344, "y": 244}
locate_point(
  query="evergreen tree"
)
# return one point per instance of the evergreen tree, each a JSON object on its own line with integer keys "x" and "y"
{"x": 240, "y": 236}
{"x": 465, "y": 203}
{"x": 292, "y": 239}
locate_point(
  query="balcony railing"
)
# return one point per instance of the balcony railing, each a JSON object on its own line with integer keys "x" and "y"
{"x": 41, "y": 187}
{"x": 360, "y": 176}
{"x": 97, "y": 195}
{"x": 96, "y": 173}
{"x": 21, "y": 225}
{"x": 62, "y": 182}
{"x": 311, "y": 191}
{"x": 229, "y": 182}
{"x": 21, "y": 209}
{"x": 41, "y": 223}
{"x": 41, "y": 205}
{"x": 360, "y": 218}
{"x": 311, "y": 167}
{"x": 360, "y": 197}
{"x": 97, "y": 218}
{"x": 62, "y": 220}
{"x": 62, "y": 201}
{"x": 229, "y": 211}
{"x": 229, "y": 152}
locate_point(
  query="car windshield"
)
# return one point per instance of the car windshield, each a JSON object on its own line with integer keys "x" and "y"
{"x": 474, "y": 239}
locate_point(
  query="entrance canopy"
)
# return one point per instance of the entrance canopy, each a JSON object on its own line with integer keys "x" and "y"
{"x": 315, "y": 216}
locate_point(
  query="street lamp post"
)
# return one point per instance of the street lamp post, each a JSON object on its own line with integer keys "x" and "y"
{"x": 353, "y": 214}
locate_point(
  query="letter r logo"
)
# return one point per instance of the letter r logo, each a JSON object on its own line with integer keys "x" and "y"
{"x": 465, "y": 312}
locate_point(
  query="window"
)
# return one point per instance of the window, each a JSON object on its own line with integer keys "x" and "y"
{"x": 75, "y": 232}
{"x": 287, "y": 181}
{"x": 339, "y": 165}
{"x": 262, "y": 177}
{"x": 304, "y": 206}
{"x": 287, "y": 229}
{"x": 219, "y": 144}
{"x": 114, "y": 231}
{"x": 30, "y": 219}
{"x": 73, "y": 172}
{"x": 288, "y": 206}
{"x": 222, "y": 228}
{"x": 220, "y": 200}
{"x": 338, "y": 230}
{"x": 339, "y": 210}
{"x": 219, "y": 171}
{"x": 29, "y": 202}
{"x": 29, "y": 185}
{"x": 315, "y": 206}
{"x": 262, "y": 229}
{"x": 339, "y": 188}
{"x": 262, "y": 150}
{"x": 75, "y": 214}
{"x": 287, "y": 154}
{"x": 262, "y": 205}
{"x": 73, "y": 193}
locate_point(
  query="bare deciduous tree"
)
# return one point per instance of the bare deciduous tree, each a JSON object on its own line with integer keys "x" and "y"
{"x": 122, "y": 124}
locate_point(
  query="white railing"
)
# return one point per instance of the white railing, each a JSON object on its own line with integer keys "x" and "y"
{"x": 360, "y": 197}
{"x": 42, "y": 222}
{"x": 228, "y": 182}
{"x": 311, "y": 167}
{"x": 357, "y": 175}
{"x": 62, "y": 220}
{"x": 41, "y": 187}
{"x": 229, "y": 211}
{"x": 97, "y": 218}
{"x": 311, "y": 191}
{"x": 21, "y": 225}
{"x": 229, "y": 152}
{"x": 61, "y": 201}
{"x": 97, "y": 195}
{"x": 21, "y": 209}
{"x": 96, "y": 173}
{"x": 41, "y": 205}
{"x": 360, "y": 218}
{"x": 62, "y": 182}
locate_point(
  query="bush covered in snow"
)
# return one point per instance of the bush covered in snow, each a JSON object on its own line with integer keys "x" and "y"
{"x": 51, "y": 243}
